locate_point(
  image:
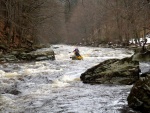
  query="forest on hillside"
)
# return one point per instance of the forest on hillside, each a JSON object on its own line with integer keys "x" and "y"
{"x": 24, "y": 23}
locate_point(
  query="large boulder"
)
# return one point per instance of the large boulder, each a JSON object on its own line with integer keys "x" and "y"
{"x": 139, "y": 97}
{"x": 113, "y": 71}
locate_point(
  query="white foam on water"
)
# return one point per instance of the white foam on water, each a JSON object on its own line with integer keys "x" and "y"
{"x": 2, "y": 73}
{"x": 55, "y": 86}
{"x": 13, "y": 74}
{"x": 68, "y": 78}
{"x": 8, "y": 74}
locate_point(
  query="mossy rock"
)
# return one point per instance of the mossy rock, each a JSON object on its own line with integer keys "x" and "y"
{"x": 139, "y": 97}
{"x": 113, "y": 71}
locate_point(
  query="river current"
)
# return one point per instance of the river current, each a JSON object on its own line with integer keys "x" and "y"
{"x": 55, "y": 86}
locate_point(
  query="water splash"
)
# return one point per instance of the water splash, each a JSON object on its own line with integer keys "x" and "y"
{"x": 55, "y": 86}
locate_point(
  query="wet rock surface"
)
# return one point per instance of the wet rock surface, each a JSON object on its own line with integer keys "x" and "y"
{"x": 142, "y": 56}
{"x": 113, "y": 71}
{"x": 38, "y": 55}
{"x": 139, "y": 97}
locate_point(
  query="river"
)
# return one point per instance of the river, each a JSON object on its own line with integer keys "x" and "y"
{"x": 55, "y": 86}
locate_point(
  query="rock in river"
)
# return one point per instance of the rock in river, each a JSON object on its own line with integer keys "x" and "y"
{"x": 139, "y": 97}
{"x": 113, "y": 71}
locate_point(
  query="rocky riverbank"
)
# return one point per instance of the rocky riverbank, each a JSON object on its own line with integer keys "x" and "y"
{"x": 20, "y": 55}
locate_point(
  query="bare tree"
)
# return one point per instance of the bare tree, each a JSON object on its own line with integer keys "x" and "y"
{"x": 20, "y": 17}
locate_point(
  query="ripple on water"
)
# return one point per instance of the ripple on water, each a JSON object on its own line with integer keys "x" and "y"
{"x": 55, "y": 86}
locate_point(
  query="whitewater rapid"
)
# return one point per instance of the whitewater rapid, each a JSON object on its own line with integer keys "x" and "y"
{"x": 55, "y": 86}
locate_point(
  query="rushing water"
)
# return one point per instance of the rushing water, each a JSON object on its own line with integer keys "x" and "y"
{"x": 55, "y": 86}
